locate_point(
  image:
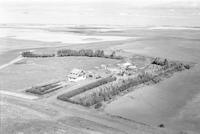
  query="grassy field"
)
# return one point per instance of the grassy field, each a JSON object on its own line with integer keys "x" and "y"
{"x": 32, "y": 72}
{"x": 164, "y": 102}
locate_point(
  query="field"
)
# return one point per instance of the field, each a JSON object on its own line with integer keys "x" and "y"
{"x": 165, "y": 101}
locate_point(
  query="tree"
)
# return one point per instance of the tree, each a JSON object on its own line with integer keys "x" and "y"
{"x": 82, "y": 52}
{"x": 113, "y": 54}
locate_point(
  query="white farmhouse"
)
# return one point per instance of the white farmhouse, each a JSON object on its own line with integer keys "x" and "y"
{"x": 77, "y": 75}
{"x": 127, "y": 66}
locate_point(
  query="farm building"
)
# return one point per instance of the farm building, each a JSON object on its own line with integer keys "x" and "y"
{"x": 127, "y": 66}
{"x": 77, "y": 75}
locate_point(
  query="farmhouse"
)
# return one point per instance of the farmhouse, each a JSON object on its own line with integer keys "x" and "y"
{"x": 77, "y": 75}
{"x": 127, "y": 66}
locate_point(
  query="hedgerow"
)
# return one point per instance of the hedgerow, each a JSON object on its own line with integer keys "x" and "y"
{"x": 44, "y": 89}
{"x": 87, "y": 87}
{"x": 86, "y": 52}
{"x": 29, "y": 54}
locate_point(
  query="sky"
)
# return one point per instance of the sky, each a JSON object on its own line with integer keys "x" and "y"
{"x": 101, "y": 12}
{"x": 128, "y": 2}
